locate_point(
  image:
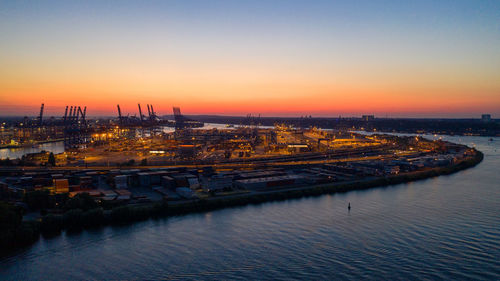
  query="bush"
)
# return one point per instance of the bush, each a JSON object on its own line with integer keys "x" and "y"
{"x": 52, "y": 160}
{"x": 140, "y": 213}
{"x": 10, "y": 216}
{"x": 13, "y": 231}
{"x": 160, "y": 209}
{"x": 72, "y": 219}
{"x": 130, "y": 162}
{"x": 81, "y": 201}
{"x": 51, "y": 223}
{"x": 27, "y": 233}
{"x": 92, "y": 218}
{"x": 38, "y": 199}
{"x": 6, "y": 162}
{"x": 121, "y": 214}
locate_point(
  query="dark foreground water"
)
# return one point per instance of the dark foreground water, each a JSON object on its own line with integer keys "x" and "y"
{"x": 444, "y": 228}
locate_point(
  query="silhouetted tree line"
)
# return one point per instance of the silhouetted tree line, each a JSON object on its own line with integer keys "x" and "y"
{"x": 82, "y": 201}
{"x": 42, "y": 199}
{"x": 403, "y": 125}
{"x": 76, "y": 219}
{"x": 52, "y": 160}
{"x": 128, "y": 163}
{"x": 16, "y": 162}
{"x": 14, "y": 232}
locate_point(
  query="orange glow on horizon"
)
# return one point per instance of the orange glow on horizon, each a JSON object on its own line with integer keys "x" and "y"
{"x": 327, "y": 59}
{"x": 271, "y": 90}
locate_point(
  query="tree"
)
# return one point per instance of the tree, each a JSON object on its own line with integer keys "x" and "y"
{"x": 13, "y": 231}
{"x": 72, "y": 219}
{"x": 6, "y": 162}
{"x": 10, "y": 216}
{"x": 93, "y": 217}
{"x": 38, "y": 199}
{"x": 81, "y": 201}
{"x": 52, "y": 159}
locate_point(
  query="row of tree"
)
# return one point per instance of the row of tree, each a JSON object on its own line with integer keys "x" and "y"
{"x": 15, "y": 233}
{"x": 78, "y": 219}
{"x": 23, "y": 161}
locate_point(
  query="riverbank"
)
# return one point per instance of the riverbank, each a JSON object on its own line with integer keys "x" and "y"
{"x": 445, "y": 126}
{"x": 77, "y": 220}
{"x": 329, "y": 188}
{"x": 27, "y": 145}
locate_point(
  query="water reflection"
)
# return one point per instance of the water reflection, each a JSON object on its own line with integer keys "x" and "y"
{"x": 13, "y": 153}
{"x": 442, "y": 228}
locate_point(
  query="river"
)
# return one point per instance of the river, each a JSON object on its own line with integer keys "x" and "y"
{"x": 444, "y": 228}
{"x": 13, "y": 153}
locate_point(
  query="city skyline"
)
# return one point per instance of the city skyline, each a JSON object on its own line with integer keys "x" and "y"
{"x": 275, "y": 58}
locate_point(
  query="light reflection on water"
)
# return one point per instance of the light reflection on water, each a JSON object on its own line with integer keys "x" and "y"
{"x": 441, "y": 228}
{"x": 13, "y": 153}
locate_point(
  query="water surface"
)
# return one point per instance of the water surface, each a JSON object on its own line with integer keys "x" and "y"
{"x": 444, "y": 228}
{"x": 13, "y": 153}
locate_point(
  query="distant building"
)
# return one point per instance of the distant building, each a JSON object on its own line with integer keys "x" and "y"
{"x": 486, "y": 118}
{"x": 368, "y": 117}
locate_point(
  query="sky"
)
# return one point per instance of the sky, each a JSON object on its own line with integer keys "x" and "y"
{"x": 273, "y": 57}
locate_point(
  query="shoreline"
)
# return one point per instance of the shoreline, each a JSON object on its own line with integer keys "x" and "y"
{"x": 326, "y": 123}
{"x": 327, "y": 188}
{"x": 52, "y": 225}
{"x": 30, "y": 145}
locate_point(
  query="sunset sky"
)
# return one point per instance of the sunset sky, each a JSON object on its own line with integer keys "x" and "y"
{"x": 278, "y": 58}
